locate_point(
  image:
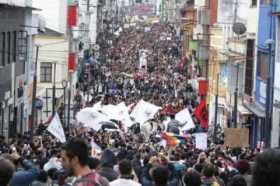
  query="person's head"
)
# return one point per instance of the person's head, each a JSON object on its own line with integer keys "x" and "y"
{"x": 267, "y": 168}
{"x": 94, "y": 163}
{"x": 160, "y": 175}
{"x": 242, "y": 166}
{"x": 6, "y": 171}
{"x": 208, "y": 170}
{"x": 75, "y": 155}
{"x": 192, "y": 178}
{"x": 237, "y": 180}
{"x": 125, "y": 167}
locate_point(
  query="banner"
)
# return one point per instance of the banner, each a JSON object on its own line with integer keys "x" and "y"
{"x": 91, "y": 118}
{"x": 201, "y": 141}
{"x": 184, "y": 117}
{"x": 144, "y": 111}
{"x": 55, "y": 128}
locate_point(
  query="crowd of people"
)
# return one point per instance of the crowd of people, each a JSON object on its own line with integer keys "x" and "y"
{"x": 130, "y": 158}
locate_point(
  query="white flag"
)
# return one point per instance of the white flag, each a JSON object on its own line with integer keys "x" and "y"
{"x": 184, "y": 117}
{"x": 201, "y": 141}
{"x": 55, "y": 128}
{"x": 144, "y": 111}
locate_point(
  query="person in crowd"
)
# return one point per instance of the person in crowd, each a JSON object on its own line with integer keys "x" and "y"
{"x": 75, "y": 160}
{"x": 126, "y": 175}
{"x": 192, "y": 178}
{"x": 6, "y": 171}
{"x": 108, "y": 160}
{"x": 237, "y": 180}
{"x": 27, "y": 175}
{"x": 244, "y": 169}
{"x": 160, "y": 175}
{"x": 209, "y": 178}
{"x": 267, "y": 168}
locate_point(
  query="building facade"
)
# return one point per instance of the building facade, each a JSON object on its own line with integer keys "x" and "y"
{"x": 15, "y": 65}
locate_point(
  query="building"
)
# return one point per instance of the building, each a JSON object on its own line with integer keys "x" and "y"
{"x": 16, "y": 62}
{"x": 53, "y": 57}
{"x": 276, "y": 102}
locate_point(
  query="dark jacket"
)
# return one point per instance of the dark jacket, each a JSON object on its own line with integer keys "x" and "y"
{"x": 108, "y": 173}
{"x": 26, "y": 176}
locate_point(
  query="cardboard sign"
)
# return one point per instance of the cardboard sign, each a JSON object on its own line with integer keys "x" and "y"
{"x": 236, "y": 137}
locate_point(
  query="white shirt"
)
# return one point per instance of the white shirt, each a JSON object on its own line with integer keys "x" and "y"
{"x": 124, "y": 182}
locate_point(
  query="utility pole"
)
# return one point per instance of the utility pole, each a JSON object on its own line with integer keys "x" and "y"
{"x": 33, "y": 109}
{"x": 236, "y": 98}
{"x": 54, "y": 91}
{"x": 216, "y": 108}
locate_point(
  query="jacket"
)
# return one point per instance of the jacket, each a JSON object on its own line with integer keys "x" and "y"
{"x": 26, "y": 176}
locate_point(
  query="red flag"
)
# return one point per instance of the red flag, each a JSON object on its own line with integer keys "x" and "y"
{"x": 201, "y": 114}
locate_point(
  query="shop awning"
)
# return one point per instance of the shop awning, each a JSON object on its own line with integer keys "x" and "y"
{"x": 256, "y": 109}
{"x": 243, "y": 110}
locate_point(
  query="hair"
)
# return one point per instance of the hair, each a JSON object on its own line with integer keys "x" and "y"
{"x": 192, "y": 178}
{"x": 237, "y": 180}
{"x": 6, "y": 171}
{"x": 208, "y": 170}
{"x": 125, "y": 167}
{"x": 77, "y": 147}
{"x": 94, "y": 163}
{"x": 160, "y": 175}
{"x": 267, "y": 168}
{"x": 242, "y": 166}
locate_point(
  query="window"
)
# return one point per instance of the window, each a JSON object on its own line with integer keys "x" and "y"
{"x": 263, "y": 59}
{"x": 253, "y": 3}
{"x": 266, "y": 2}
{"x": 3, "y": 49}
{"x": 46, "y": 72}
{"x": 249, "y": 67}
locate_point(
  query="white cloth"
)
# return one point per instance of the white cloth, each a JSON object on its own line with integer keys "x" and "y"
{"x": 124, "y": 182}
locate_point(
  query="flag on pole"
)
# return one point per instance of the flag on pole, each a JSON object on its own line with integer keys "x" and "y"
{"x": 55, "y": 128}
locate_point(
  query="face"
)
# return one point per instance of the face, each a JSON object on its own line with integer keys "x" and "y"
{"x": 67, "y": 163}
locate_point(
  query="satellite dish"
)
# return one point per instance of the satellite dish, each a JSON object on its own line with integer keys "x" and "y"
{"x": 239, "y": 28}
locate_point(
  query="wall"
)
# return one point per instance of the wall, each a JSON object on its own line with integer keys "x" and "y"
{"x": 263, "y": 34}
{"x": 55, "y": 12}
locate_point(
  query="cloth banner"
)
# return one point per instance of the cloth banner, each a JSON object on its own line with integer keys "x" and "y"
{"x": 55, "y": 128}
{"x": 144, "y": 111}
{"x": 91, "y": 118}
{"x": 201, "y": 141}
{"x": 184, "y": 117}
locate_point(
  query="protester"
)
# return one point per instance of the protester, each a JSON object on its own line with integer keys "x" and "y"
{"x": 126, "y": 175}
{"x": 160, "y": 175}
{"x": 267, "y": 168}
{"x": 27, "y": 175}
{"x": 6, "y": 171}
{"x": 75, "y": 162}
